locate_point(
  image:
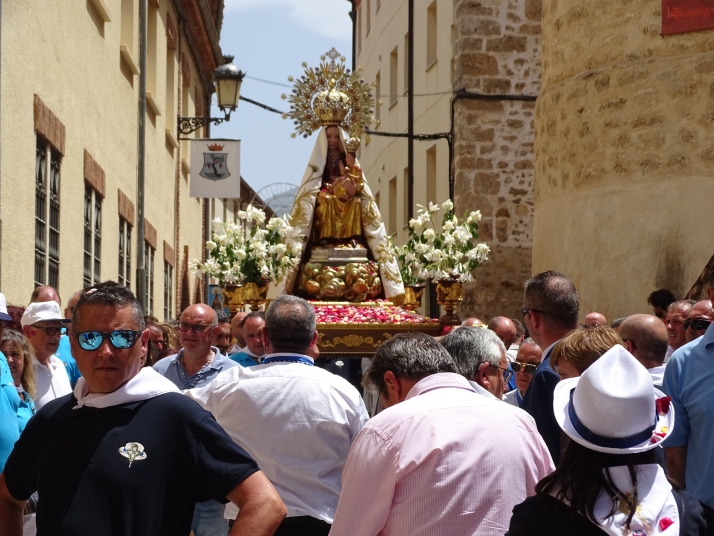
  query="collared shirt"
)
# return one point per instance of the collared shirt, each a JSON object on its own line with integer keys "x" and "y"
{"x": 689, "y": 380}
{"x": 444, "y": 461}
{"x": 657, "y": 374}
{"x": 538, "y": 401}
{"x": 235, "y": 348}
{"x": 244, "y": 358}
{"x": 169, "y": 367}
{"x": 512, "y": 352}
{"x": 484, "y": 392}
{"x": 51, "y": 380}
{"x": 514, "y": 398}
{"x": 297, "y": 421}
{"x": 668, "y": 354}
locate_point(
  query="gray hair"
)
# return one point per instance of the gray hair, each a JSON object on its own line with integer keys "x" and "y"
{"x": 554, "y": 296}
{"x": 616, "y": 323}
{"x": 222, "y": 317}
{"x": 109, "y": 293}
{"x": 411, "y": 356}
{"x": 290, "y": 324}
{"x": 684, "y": 304}
{"x": 471, "y": 347}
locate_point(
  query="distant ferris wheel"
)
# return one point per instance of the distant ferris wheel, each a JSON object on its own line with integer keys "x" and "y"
{"x": 279, "y": 196}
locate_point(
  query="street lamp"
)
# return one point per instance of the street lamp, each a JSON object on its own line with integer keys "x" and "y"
{"x": 228, "y": 79}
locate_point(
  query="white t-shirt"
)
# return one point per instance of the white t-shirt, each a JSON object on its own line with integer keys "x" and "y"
{"x": 51, "y": 380}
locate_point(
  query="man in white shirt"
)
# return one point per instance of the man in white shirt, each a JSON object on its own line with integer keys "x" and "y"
{"x": 298, "y": 421}
{"x": 646, "y": 338}
{"x": 42, "y": 324}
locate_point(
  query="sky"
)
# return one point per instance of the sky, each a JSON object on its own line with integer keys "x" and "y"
{"x": 270, "y": 39}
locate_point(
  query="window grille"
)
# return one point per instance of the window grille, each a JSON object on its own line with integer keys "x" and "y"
{"x": 124, "y": 253}
{"x": 168, "y": 290}
{"x": 40, "y": 212}
{"x": 54, "y": 220}
{"x": 149, "y": 267}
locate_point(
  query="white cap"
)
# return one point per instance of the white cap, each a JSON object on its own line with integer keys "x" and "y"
{"x": 3, "y": 308}
{"x": 40, "y": 311}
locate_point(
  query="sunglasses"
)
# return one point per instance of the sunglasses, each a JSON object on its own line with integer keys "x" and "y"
{"x": 507, "y": 374}
{"x": 51, "y": 332}
{"x": 121, "y": 339}
{"x": 196, "y": 328}
{"x": 529, "y": 368}
{"x": 526, "y": 310}
{"x": 696, "y": 324}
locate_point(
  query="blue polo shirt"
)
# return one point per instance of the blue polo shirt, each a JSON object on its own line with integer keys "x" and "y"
{"x": 135, "y": 468}
{"x": 9, "y": 404}
{"x": 689, "y": 380}
{"x": 244, "y": 359}
{"x": 168, "y": 367}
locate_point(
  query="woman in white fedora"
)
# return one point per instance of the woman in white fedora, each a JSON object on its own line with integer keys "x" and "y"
{"x": 607, "y": 481}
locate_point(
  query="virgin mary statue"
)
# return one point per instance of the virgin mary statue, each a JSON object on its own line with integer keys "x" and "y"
{"x": 334, "y": 208}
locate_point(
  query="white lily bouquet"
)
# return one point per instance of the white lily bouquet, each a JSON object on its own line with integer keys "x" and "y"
{"x": 452, "y": 253}
{"x": 245, "y": 251}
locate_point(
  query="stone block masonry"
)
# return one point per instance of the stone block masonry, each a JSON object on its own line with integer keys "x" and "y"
{"x": 497, "y": 52}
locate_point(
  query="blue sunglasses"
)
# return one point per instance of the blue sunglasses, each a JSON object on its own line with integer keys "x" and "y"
{"x": 120, "y": 339}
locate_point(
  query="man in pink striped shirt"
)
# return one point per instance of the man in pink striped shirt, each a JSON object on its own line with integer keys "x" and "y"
{"x": 440, "y": 460}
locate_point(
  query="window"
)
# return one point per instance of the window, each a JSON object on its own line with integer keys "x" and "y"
{"x": 151, "y": 55}
{"x": 377, "y": 96}
{"x": 127, "y": 24}
{"x": 359, "y": 29}
{"x": 168, "y": 287}
{"x": 124, "y": 253}
{"x": 393, "y": 66}
{"x": 392, "y": 205}
{"x": 369, "y": 18}
{"x": 170, "y": 90}
{"x": 406, "y": 63}
{"x": 149, "y": 268}
{"x": 92, "y": 236}
{"x": 47, "y": 215}
{"x": 431, "y": 175}
{"x": 431, "y": 34}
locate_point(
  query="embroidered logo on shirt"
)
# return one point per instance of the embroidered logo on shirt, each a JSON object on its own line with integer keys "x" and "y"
{"x": 133, "y": 451}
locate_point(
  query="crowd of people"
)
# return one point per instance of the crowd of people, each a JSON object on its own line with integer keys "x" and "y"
{"x": 115, "y": 423}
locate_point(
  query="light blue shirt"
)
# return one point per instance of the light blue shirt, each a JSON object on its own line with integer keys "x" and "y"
{"x": 64, "y": 352}
{"x": 25, "y": 411}
{"x": 168, "y": 367}
{"x": 9, "y": 404}
{"x": 689, "y": 380}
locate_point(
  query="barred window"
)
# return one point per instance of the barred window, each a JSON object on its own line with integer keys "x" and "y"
{"x": 124, "y": 253}
{"x": 92, "y": 236}
{"x": 47, "y": 215}
{"x": 40, "y": 212}
{"x": 149, "y": 268}
{"x": 168, "y": 288}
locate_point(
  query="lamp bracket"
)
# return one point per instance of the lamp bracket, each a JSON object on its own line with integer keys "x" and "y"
{"x": 187, "y": 125}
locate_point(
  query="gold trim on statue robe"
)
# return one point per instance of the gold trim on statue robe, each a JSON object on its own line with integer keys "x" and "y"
{"x": 337, "y": 219}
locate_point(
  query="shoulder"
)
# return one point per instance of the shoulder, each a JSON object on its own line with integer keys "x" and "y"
{"x": 691, "y": 514}
{"x": 162, "y": 365}
{"x": 56, "y": 409}
{"x": 225, "y": 362}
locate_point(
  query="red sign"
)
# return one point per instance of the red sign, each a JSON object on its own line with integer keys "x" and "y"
{"x": 681, "y": 16}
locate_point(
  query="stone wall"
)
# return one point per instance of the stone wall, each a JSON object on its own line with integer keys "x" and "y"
{"x": 497, "y": 52}
{"x": 624, "y": 151}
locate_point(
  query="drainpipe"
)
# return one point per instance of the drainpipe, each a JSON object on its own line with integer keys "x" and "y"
{"x": 141, "y": 154}
{"x": 410, "y": 113}
{"x": 353, "y": 16}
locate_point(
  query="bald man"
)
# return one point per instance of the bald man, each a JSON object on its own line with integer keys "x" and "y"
{"x": 237, "y": 333}
{"x": 646, "y": 338}
{"x": 195, "y": 365}
{"x": 505, "y": 329}
{"x": 473, "y": 321}
{"x": 593, "y": 320}
{"x": 698, "y": 319}
{"x": 45, "y": 293}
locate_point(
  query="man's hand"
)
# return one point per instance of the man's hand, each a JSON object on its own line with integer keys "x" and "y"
{"x": 10, "y": 511}
{"x": 261, "y": 509}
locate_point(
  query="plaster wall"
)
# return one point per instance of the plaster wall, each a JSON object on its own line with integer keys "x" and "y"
{"x": 624, "y": 148}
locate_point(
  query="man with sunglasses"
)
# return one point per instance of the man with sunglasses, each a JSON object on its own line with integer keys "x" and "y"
{"x": 43, "y": 324}
{"x": 525, "y": 365}
{"x": 698, "y": 320}
{"x": 126, "y": 453}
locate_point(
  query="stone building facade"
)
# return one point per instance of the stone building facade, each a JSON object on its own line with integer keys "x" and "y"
{"x": 486, "y": 57}
{"x": 68, "y": 167}
{"x": 624, "y": 149}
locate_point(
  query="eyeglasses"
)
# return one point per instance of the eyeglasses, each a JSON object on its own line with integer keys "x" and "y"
{"x": 121, "y": 339}
{"x": 526, "y": 310}
{"x": 529, "y": 368}
{"x": 696, "y": 324}
{"x": 50, "y": 332}
{"x": 196, "y": 328}
{"x": 507, "y": 374}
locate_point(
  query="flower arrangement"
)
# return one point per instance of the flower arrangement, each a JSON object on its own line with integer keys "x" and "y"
{"x": 452, "y": 253}
{"x": 370, "y": 312}
{"x": 245, "y": 251}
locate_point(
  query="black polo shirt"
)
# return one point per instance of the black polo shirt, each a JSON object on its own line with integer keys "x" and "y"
{"x": 79, "y": 463}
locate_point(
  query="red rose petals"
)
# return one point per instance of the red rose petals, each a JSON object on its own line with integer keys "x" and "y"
{"x": 665, "y": 523}
{"x": 381, "y": 311}
{"x": 662, "y": 405}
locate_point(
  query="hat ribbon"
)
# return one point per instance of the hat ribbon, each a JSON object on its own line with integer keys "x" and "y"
{"x": 608, "y": 442}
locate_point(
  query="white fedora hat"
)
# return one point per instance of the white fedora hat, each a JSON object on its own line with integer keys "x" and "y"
{"x": 613, "y": 407}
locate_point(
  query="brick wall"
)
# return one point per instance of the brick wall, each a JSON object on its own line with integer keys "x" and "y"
{"x": 497, "y": 52}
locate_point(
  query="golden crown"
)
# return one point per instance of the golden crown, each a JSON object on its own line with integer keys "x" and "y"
{"x": 330, "y": 95}
{"x": 352, "y": 144}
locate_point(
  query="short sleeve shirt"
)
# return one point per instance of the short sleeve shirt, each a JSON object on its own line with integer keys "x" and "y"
{"x": 9, "y": 404}
{"x": 94, "y": 479}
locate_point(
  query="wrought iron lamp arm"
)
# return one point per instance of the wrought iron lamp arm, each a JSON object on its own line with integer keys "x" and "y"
{"x": 186, "y": 125}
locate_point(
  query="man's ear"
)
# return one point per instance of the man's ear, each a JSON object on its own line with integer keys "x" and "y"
{"x": 393, "y": 387}
{"x": 264, "y": 336}
{"x": 482, "y": 378}
{"x": 630, "y": 347}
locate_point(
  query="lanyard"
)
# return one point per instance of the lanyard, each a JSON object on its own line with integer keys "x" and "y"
{"x": 288, "y": 359}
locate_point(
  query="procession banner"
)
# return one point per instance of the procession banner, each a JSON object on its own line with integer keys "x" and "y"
{"x": 681, "y": 16}
{"x": 215, "y": 168}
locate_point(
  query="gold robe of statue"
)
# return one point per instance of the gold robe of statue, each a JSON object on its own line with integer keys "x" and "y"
{"x": 337, "y": 215}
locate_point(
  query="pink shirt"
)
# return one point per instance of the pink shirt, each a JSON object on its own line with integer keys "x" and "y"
{"x": 446, "y": 461}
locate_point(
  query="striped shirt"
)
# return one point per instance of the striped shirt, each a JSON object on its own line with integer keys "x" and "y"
{"x": 444, "y": 461}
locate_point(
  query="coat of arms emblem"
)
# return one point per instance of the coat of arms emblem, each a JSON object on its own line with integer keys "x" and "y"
{"x": 215, "y": 164}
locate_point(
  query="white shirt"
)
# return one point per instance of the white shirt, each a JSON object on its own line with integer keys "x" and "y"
{"x": 297, "y": 421}
{"x": 657, "y": 374}
{"x": 51, "y": 380}
{"x": 668, "y": 354}
{"x": 236, "y": 348}
{"x": 512, "y": 352}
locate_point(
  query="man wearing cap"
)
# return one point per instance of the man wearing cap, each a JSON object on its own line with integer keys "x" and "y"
{"x": 9, "y": 399}
{"x": 42, "y": 324}
{"x": 689, "y": 380}
{"x": 127, "y": 454}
